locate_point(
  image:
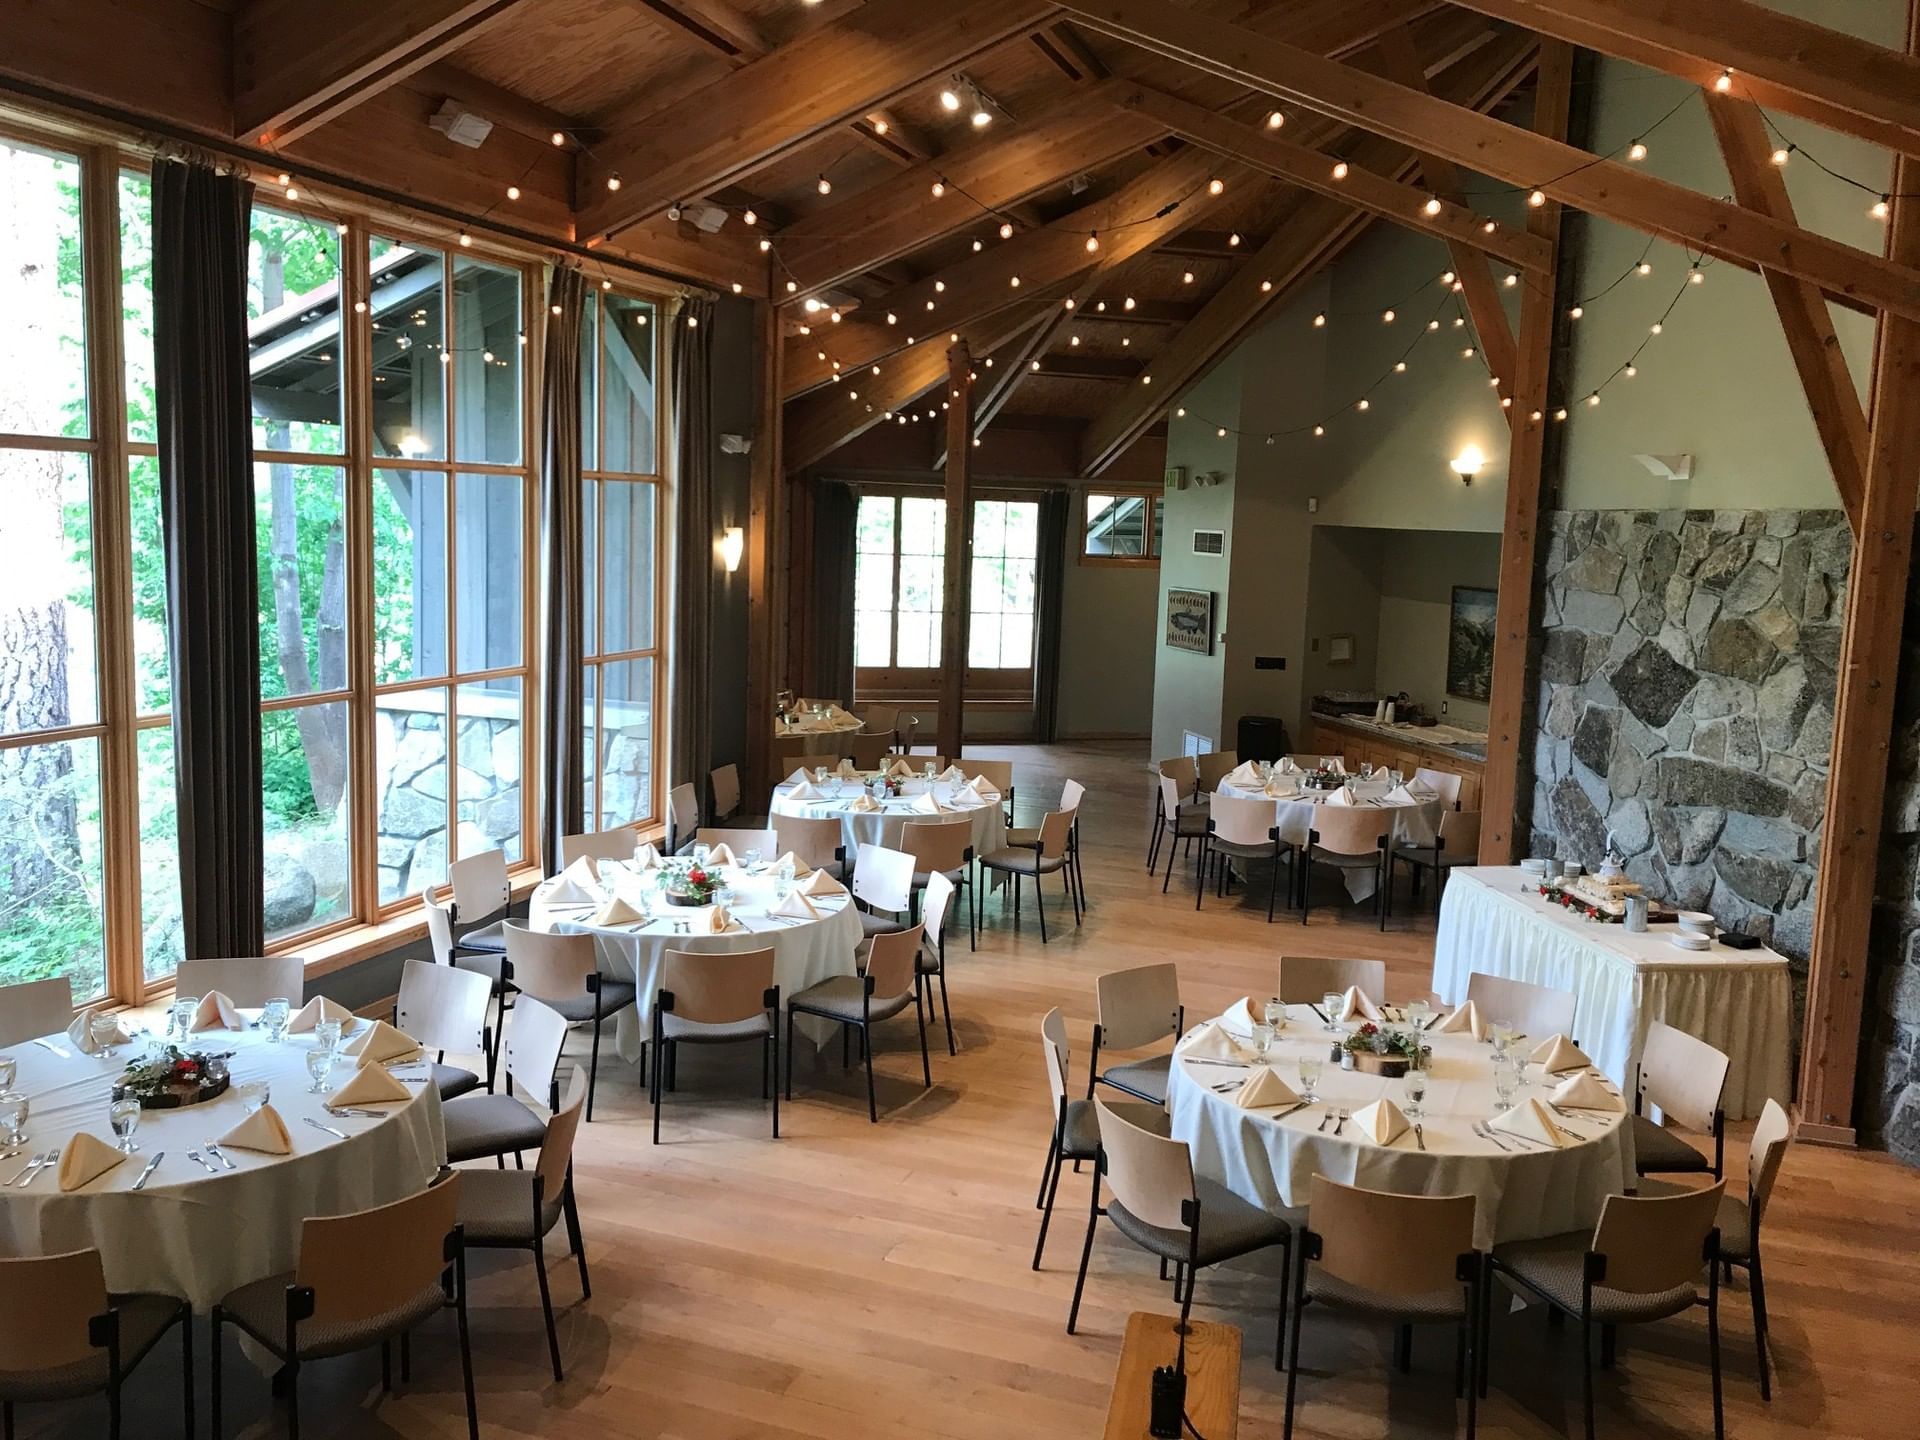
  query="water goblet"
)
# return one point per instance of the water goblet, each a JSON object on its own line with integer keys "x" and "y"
{"x": 274, "y": 1017}
{"x": 123, "y": 1115}
{"x": 326, "y": 1036}
{"x": 1366, "y": 769}
{"x": 256, "y": 1093}
{"x": 104, "y": 1026}
{"x": 930, "y": 772}
{"x": 13, "y": 1118}
{"x": 215, "y": 1069}
{"x": 1415, "y": 1085}
{"x": 1310, "y": 1077}
{"x": 1262, "y": 1040}
{"x": 9, "y": 1067}
{"x": 820, "y": 774}
{"x": 1505, "y": 1085}
{"x": 786, "y": 871}
{"x": 1333, "y": 1002}
{"x": 701, "y": 850}
{"x": 1501, "y": 1034}
{"x": 184, "y": 1007}
{"x": 750, "y": 858}
{"x": 319, "y": 1065}
{"x": 1418, "y": 1013}
{"x": 1276, "y": 1013}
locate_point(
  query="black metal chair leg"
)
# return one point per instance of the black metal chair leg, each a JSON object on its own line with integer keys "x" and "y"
{"x": 546, "y": 1307}
{"x": 1050, "y": 1189}
{"x": 1040, "y": 904}
{"x": 1046, "y": 1169}
{"x": 593, "y": 1059}
{"x": 1293, "y": 1359}
{"x": 186, "y": 1370}
{"x": 1586, "y": 1370}
{"x": 1086, "y": 1253}
{"x": 866, "y": 1049}
{"x": 213, "y": 1368}
{"x": 946, "y": 1010}
{"x": 572, "y": 1212}
{"x": 466, "y": 1360}
{"x": 920, "y": 1017}
{"x": 789, "y": 1085}
{"x": 772, "y": 1065}
{"x": 1759, "y": 1297}
{"x": 1713, "y": 1355}
{"x": 386, "y": 1367}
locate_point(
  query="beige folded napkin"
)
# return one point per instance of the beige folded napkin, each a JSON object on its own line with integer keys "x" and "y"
{"x": 864, "y": 805}
{"x": 1280, "y": 788}
{"x": 578, "y": 884}
{"x": 1464, "y": 1021}
{"x": 846, "y": 770}
{"x": 721, "y": 854}
{"x": 1336, "y": 765}
{"x": 1239, "y": 1018}
{"x": 953, "y": 773}
{"x": 370, "y": 1086}
{"x": 1381, "y": 1122}
{"x": 1358, "y": 1005}
{"x": 795, "y": 907}
{"x": 713, "y": 919}
{"x": 1530, "y": 1120}
{"x": 925, "y": 804}
{"x": 85, "y": 1158}
{"x": 800, "y": 867}
{"x": 217, "y": 1012}
{"x": 821, "y": 883}
{"x": 1584, "y": 1092}
{"x": 617, "y": 911}
{"x": 1246, "y": 773}
{"x": 1265, "y": 1091}
{"x": 1339, "y": 797}
{"x": 800, "y": 776}
{"x": 1402, "y": 795}
{"x": 80, "y": 1032}
{"x": 899, "y": 770}
{"x": 381, "y": 1045}
{"x": 263, "y": 1130}
{"x": 1213, "y": 1042}
{"x": 314, "y": 1011}
{"x": 1285, "y": 766}
{"x": 1557, "y": 1053}
{"x": 806, "y": 792}
{"x": 982, "y": 788}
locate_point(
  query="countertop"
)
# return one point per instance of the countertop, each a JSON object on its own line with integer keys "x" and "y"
{"x": 1444, "y": 739}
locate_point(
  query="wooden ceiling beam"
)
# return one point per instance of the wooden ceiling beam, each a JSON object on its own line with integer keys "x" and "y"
{"x": 1144, "y": 312}
{"x": 297, "y": 65}
{"x": 777, "y": 104}
{"x": 1067, "y": 48}
{"x": 1778, "y": 61}
{"x": 714, "y": 25}
{"x": 1612, "y": 190}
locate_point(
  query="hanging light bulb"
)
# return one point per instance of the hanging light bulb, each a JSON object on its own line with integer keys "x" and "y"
{"x": 1576, "y": 312}
{"x": 1637, "y": 150}
{"x": 1511, "y": 280}
{"x": 1340, "y": 170}
{"x": 1880, "y": 208}
{"x": 765, "y": 245}
{"x": 1655, "y": 328}
{"x": 293, "y": 192}
{"x": 1181, "y": 413}
{"x": 1233, "y": 240}
{"x": 1221, "y": 433}
{"x": 1387, "y": 317}
{"x": 513, "y": 192}
{"x": 1006, "y": 229}
{"x": 1432, "y": 207}
{"x": 1645, "y": 267}
{"x": 1467, "y": 353}
{"x": 1365, "y": 404}
{"x": 750, "y": 218}
{"x": 939, "y": 187}
{"x": 1093, "y": 244}
{"x": 1593, "y": 400}
{"x": 1146, "y": 379}
{"x": 1447, "y": 277}
{"x": 1433, "y": 324}
{"x": 465, "y": 239}
{"x": 1216, "y": 186}
{"x": 823, "y": 185}
{"x": 1696, "y": 276}
{"x": 1561, "y": 413}
{"x": 606, "y": 284}
{"x": 1266, "y": 286}
{"x": 892, "y": 318}
{"x": 1537, "y": 198}
{"x": 978, "y": 246}
{"x": 1128, "y": 303}
{"x": 1320, "y": 322}
{"x": 1724, "y": 81}
{"x": 1319, "y": 430}
{"x": 880, "y": 126}
{"x": 1186, "y": 277}
{"x": 1489, "y": 227}
{"x": 613, "y": 181}
{"x": 1399, "y": 367}
{"x": 1630, "y": 370}
{"x": 1781, "y": 154}
{"x": 558, "y": 138}
{"x": 1275, "y": 119}
{"x": 1013, "y": 282}
{"x": 939, "y": 287}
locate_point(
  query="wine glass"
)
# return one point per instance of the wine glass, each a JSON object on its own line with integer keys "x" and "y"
{"x": 9, "y": 1067}
{"x": 1418, "y": 1013}
{"x": 105, "y": 1029}
{"x": 1416, "y": 1089}
{"x": 319, "y": 1065}
{"x": 1262, "y": 1040}
{"x": 123, "y": 1115}
{"x": 274, "y": 1017}
{"x": 1333, "y": 1002}
{"x": 1276, "y": 1013}
{"x": 184, "y": 1007}
{"x": 326, "y": 1036}
{"x": 1506, "y": 1083}
{"x": 13, "y": 1118}
{"x": 1310, "y": 1077}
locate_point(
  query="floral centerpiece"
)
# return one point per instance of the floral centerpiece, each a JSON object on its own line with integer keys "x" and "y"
{"x": 692, "y": 886}
{"x": 1567, "y": 900}
{"x": 1323, "y": 779}
{"x": 1381, "y": 1052}
{"x": 172, "y": 1078}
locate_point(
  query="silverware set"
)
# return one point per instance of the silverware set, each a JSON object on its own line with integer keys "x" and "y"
{"x": 355, "y": 1112}
{"x": 42, "y": 1161}
{"x": 213, "y": 1149}
{"x": 340, "y": 1134}
{"x": 1341, "y": 1122}
{"x": 202, "y": 1161}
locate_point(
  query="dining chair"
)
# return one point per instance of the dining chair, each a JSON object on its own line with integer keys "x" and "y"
{"x": 1535, "y": 1010}
{"x": 1641, "y": 1263}
{"x": 1076, "y": 1127}
{"x": 740, "y": 840}
{"x": 1132, "y": 1010}
{"x": 499, "y": 1123}
{"x": 1686, "y": 1078}
{"x": 944, "y": 847}
{"x": 480, "y": 891}
{"x": 811, "y": 760}
{"x": 491, "y": 968}
{"x": 1048, "y": 856}
{"x": 683, "y": 816}
{"x": 1245, "y": 830}
{"x": 888, "y": 985}
{"x": 1178, "y": 820}
{"x": 1346, "y": 837}
{"x": 620, "y": 844}
{"x": 362, "y": 1279}
{"x": 1456, "y": 842}
{"x": 881, "y": 720}
{"x": 35, "y": 1008}
{"x": 1213, "y": 766}
{"x": 931, "y": 966}
{"x": 446, "y": 1009}
{"x": 1404, "y": 1259}
{"x": 1306, "y": 979}
{"x": 997, "y": 773}
{"x": 904, "y": 731}
{"x": 714, "y": 998}
{"x": 819, "y": 844}
{"x": 562, "y": 972}
{"x": 1443, "y": 783}
{"x": 517, "y": 1209}
{"x": 1179, "y": 1218}
{"x": 723, "y": 785}
{"x": 1185, "y": 772}
{"x": 1072, "y": 792}
{"x": 882, "y": 881}
{"x": 248, "y": 982}
{"x": 63, "y": 1336}
{"x": 869, "y": 752}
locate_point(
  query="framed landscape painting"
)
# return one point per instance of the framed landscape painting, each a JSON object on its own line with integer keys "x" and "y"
{"x": 1190, "y": 620}
{"x": 1470, "y": 643}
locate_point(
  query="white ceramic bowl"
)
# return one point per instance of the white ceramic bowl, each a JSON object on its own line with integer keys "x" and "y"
{"x": 1691, "y": 940}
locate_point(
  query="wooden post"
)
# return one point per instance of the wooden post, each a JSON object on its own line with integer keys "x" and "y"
{"x": 1507, "y": 737}
{"x": 765, "y": 573}
{"x": 1863, "y": 709}
{"x": 957, "y": 593}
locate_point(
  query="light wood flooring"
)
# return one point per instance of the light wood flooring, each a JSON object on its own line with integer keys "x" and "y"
{"x": 853, "y": 1281}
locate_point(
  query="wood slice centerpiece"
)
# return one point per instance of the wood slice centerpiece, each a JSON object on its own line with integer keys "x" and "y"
{"x": 171, "y": 1083}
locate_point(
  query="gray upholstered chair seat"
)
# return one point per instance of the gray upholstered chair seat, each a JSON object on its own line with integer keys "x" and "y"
{"x": 1024, "y": 862}
{"x": 490, "y": 938}
{"x": 143, "y": 1320}
{"x": 843, "y": 997}
{"x": 261, "y": 1310}
{"x": 452, "y": 1082}
{"x": 1658, "y": 1150}
{"x": 1229, "y": 1226}
{"x": 496, "y": 1207}
{"x": 1144, "y": 1078}
{"x": 754, "y": 1027}
{"x": 1239, "y": 851}
{"x": 483, "y": 1125}
{"x": 1082, "y": 1130}
{"x": 1433, "y": 1306}
{"x": 879, "y": 924}
{"x": 578, "y": 1009}
{"x": 1555, "y": 1266}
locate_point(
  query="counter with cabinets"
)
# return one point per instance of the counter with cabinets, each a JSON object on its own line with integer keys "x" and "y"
{"x": 1406, "y": 748}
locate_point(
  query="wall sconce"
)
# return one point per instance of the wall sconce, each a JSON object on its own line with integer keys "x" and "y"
{"x": 733, "y": 544}
{"x": 1467, "y": 464}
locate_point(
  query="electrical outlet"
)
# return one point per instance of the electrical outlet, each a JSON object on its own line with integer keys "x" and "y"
{"x": 1443, "y": 707}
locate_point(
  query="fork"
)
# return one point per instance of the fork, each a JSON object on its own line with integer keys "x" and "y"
{"x": 25, "y": 1174}
{"x": 202, "y": 1162}
{"x": 213, "y": 1149}
{"x": 1480, "y": 1128}
{"x": 1419, "y": 1135}
{"x": 1321, "y": 1127}
{"x": 1341, "y": 1123}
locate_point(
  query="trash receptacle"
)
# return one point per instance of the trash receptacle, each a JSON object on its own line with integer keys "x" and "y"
{"x": 1262, "y": 737}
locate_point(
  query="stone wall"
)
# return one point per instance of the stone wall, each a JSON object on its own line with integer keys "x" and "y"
{"x": 1686, "y": 703}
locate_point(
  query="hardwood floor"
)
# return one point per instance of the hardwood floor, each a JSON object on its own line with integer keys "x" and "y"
{"x": 852, "y": 1280}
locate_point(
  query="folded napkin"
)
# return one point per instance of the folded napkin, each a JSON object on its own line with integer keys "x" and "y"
{"x": 216, "y": 1012}
{"x": 953, "y": 773}
{"x": 380, "y": 1045}
{"x": 1530, "y": 1120}
{"x": 982, "y": 787}
{"x": 820, "y": 883}
{"x": 1464, "y": 1021}
{"x": 1213, "y": 1042}
{"x": 1381, "y": 1122}
{"x": 578, "y": 884}
{"x": 1420, "y": 791}
{"x": 712, "y": 920}
{"x": 1339, "y": 797}
{"x": 1265, "y": 1091}
{"x": 1557, "y": 1053}
{"x": 1240, "y": 1018}
{"x": 80, "y": 1032}
{"x": 369, "y": 1086}
{"x": 805, "y": 790}
{"x": 84, "y": 1158}
{"x": 1285, "y": 766}
{"x": 800, "y": 776}
{"x": 1403, "y": 795}
{"x": 721, "y": 854}
{"x": 617, "y": 911}
{"x": 1336, "y": 765}
{"x": 1246, "y": 773}
{"x": 925, "y": 804}
{"x": 1359, "y": 1006}
{"x": 846, "y": 770}
{"x": 899, "y": 770}
{"x": 864, "y": 805}
{"x": 647, "y": 857}
{"x": 314, "y": 1011}
{"x": 1279, "y": 788}
{"x": 263, "y": 1130}
{"x": 795, "y": 907}
{"x": 1583, "y": 1092}
{"x": 800, "y": 867}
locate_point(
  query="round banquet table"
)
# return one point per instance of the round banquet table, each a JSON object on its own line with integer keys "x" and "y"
{"x": 886, "y": 825}
{"x": 805, "y": 952}
{"x": 836, "y": 724}
{"x": 1523, "y": 1194}
{"x": 1294, "y": 806}
{"x": 190, "y": 1233}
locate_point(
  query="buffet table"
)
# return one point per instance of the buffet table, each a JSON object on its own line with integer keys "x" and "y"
{"x": 1494, "y": 920}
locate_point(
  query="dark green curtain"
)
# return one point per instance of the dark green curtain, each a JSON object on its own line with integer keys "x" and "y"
{"x": 691, "y": 738}
{"x": 830, "y": 655}
{"x": 201, "y": 384}
{"x": 563, "y": 774}
{"x": 1049, "y": 583}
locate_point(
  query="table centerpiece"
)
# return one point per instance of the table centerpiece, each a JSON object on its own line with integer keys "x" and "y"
{"x": 174, "y": 1078}
{"x": 1378, "y": 1051}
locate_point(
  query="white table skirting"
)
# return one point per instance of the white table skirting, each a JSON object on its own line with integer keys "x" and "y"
{"x": 1738, "y": 1001}
{"x": 1416, "y": 823}
{"x": 192, "y": 1234}
{"x": 885, "y": 826}
{"x": 1521, "y": 1195}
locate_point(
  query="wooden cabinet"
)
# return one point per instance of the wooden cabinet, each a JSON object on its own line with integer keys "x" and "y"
{"x": 1359, "y": 745}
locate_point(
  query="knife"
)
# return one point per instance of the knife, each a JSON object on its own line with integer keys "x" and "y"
{"x": 158, "y": 1156}
{"x": 64, "y": 1054}
{"x": 341, "y": 1134}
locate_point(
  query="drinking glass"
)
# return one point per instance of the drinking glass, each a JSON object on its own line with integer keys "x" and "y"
{"x": 1366, "y": 769}
{"x": 8, "y": 1069}
{"x": 1276, "y": 1013}
{"x": 1501, "y": 1034}
{"x": 319, "y": 1064}
{"x": 13, "y": 1117}
{"x": 255, "y": 1093}
{"x": 1416, "y": 1089}
{"x": 1310, "y": 1077}
{"x": 820, "y": 773}
{"x": 274, "y": 1017}
{"x": 105, "y": 1028}
{"x": 751, "y": 858}
{"x": 326, "y": 1036}
{"x": 124, "y": 1116}
{"x": 930, "y": 772}
{"x": 786, "y": 872}
{"x": 1333, "y": 1002}
{"x": 215, "y": 1069}
{"x": 701, "y": 851}
{"x": 1262, "y": 1040}
{"x": 1418, "y": 1013}
{"x": 182, "y": 1017}
{"x": 1505, "y": 1084}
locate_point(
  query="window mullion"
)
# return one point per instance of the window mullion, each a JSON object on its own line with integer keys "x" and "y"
{"x": 363, "y": 820}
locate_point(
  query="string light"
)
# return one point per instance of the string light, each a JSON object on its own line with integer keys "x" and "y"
{"x": 1576, "y": 312}
{"x": 558, "y": 138}
{"x": 1320, "y": 322}
{"x": 1275, "y": 119}
{"x": 940, "y": 187}
{"x": 1233, "y": 240}
{"x": 1186, "y": 277}
{"x": 750, "y": 218}
{"x": 1537, "y": 198}
{"x": 1511, "y": 280}
{"x": 823, "y": 185}
{"x": 1645, "y": 267}
{"x": 1781, "y": 154}
{"x": 1723, "y": 82}
{"x": 1093, "y": 244}
{"x": 1340, "y": 170}
{"x": 977, "y": 246}
{"x": 1637, "y": 150}
{"x": 1432, "y": 207}
{"x": 513, "y": 192}
{"x": 1216, "y": 186}
{"x": 465, "y": 239}
{"x": 1006, "y": 229}
{"x": 1387, "y": 317}
{"x": 765, "y": 244}
{"x": 1881, "y": 208}
{"x": 613, "y": 181}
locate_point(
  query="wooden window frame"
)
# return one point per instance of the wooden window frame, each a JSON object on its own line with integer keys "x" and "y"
{"x": 1127, "y": 562}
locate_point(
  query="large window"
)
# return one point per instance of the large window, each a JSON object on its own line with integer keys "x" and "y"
{"x": 1122, "y": 528}
{"x": 620, "y": 449}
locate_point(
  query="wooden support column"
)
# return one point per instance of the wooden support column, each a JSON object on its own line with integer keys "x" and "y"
{"x": 957, "y": 592}
{"x": 1507, "y": 736}
{"x": 1863, "y": 709}
{"x": 766, "y": 572}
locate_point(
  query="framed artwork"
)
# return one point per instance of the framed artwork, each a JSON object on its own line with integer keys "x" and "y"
{"x": 1470, "y": 643}
{"x": 1190, "y": 620}
{"x": 1340, "y": 649}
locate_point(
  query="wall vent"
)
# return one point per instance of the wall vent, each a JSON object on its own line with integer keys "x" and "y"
{"x": 1209, "y": 542}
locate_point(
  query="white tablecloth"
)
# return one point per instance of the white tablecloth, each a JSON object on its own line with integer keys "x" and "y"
{"x": 1738, "y": 1001}
{"x": 189, "y": 1233}
{"x": 830, "y": 725}
{"x": 1271, "y": 1162}
{"x": 1416, "y": 822}
{"x": 804, "y": 952}
{"x": 884, "y": 826}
